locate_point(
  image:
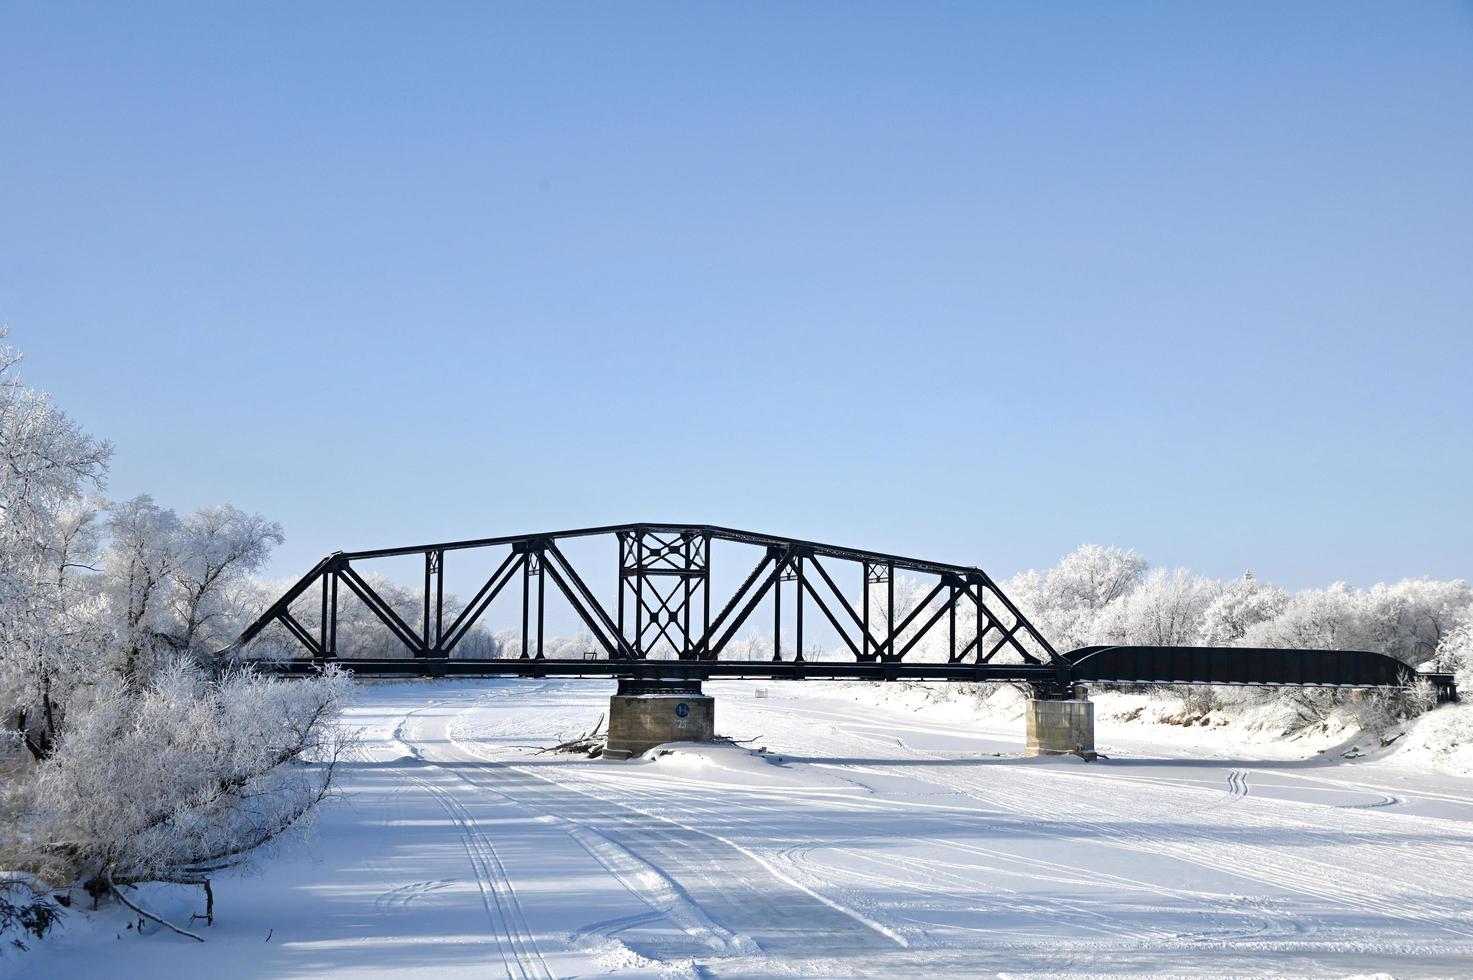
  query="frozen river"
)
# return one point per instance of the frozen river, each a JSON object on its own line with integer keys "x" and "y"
{"x": 867, "y": 841}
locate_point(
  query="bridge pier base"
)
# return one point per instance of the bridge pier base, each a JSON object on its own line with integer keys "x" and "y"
{"x": 646, "y": 713}
{"x": 1061, "y": 727}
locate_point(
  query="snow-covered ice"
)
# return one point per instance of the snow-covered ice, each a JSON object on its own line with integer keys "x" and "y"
{"x": 876, "y": 836}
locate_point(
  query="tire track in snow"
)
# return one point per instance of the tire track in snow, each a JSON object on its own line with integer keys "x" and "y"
{"x": 1386, "y": 800}
{"x": 1253, "y": 862}
{"x": 1093, "y": 921}
{"x": 1336, "y": 884}
{"x": 664, "y": 817}
{"x": 520, "y": 955}
{"x": 1084, "y": 918}
{"x": 644, "y": 880}
{"x": 936, "y": 871}
{"x": 659, "y": 891}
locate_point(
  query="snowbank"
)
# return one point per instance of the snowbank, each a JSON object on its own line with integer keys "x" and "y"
{"x": 1441, "y": 739}
{"x": 1150, "y": 724}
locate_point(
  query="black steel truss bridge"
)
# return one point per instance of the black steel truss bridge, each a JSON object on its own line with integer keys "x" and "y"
{"x": 667, "y": 622}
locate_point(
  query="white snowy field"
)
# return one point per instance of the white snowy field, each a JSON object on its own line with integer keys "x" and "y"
{"x": 871, "y": 839}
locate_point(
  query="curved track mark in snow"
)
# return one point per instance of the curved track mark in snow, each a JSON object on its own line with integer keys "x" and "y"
{"x": 759, "y": 860}
{"x": 519, "y": 952}
{"x": 661, "y": 893}
{"x": 1237, "y": 780}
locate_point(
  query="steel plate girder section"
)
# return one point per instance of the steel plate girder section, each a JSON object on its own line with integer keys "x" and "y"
{"x": 1238, "y": 665}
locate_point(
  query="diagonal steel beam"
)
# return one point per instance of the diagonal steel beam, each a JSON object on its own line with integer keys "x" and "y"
{"x": 383, "y": 610}
{"x": 941, "y": 610}
{"x": 477, "y": 607}
{"x": 824, "y": 608}
{"x": 889, "y": 644}
{"x": 828, "y": 580}
{"x": 1009, "y": 636}
{"x": 702, "y": 648}
{"x": 593, "y": 608}
{"x": 300, "y": 632}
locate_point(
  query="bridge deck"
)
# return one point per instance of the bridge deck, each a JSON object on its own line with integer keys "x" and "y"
{"x": 1331, "y": 669}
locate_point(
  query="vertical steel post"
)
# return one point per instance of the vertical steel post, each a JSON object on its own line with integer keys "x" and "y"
{"x": 864, "y": 568}
{"x": 621, "y": 580}
{"x": 706, "y": 597}
{"x": 951, "y": 625}
{"x": 541, "y": 593}
{"x": 639, "y": 594}
{"x": 439, "y": 597}
{"x": 777, "y": 610}
{"x": 425, "y": 635}
{"x": 799, "y": 612}
{"x": 526, "y": 589}
{"x": 325, "y": 647}
{"x": 332, "y": 647}
{"x": 685, "y": 648}
{"x": 890, "y": 609}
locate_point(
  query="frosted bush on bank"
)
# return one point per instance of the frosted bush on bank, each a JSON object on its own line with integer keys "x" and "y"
{"x": 133, "y": 749}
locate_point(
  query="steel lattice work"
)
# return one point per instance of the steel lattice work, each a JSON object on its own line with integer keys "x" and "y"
{"x": 665, "y": 620}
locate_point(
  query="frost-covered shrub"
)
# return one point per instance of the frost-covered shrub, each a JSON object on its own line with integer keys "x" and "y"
{"x": 192, "y": 774}
{"x": 143, "y": 755}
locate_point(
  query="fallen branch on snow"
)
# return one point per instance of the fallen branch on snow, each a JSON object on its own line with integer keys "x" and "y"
{"x": 107, "y": 876}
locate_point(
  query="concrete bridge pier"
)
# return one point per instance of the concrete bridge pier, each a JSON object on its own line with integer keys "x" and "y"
{"x": 645, "y": 713}
{"x": 1061, "y": 726}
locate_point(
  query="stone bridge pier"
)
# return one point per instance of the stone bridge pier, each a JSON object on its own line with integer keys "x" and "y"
{"x": 645, "y": 713}
{"x": 1061, "y": 726}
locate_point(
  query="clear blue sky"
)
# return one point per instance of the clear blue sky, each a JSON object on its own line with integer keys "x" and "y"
{"x": 977, "y": 282}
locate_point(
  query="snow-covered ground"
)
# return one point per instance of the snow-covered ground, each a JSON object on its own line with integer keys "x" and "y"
{"x": 883, "y": 832}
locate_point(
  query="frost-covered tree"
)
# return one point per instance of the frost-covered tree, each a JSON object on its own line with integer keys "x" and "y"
{"x": 48, "y": 466}
{"x": 1315, "y": 619}
{"x": 148, "y": 761}
{"x": 1455, "y": 654}
{"x": 1092, "y": 577}
{"x": 1239, "y": 607}
{"x": 1167, "y": 609}
{"x": 1068, "y": 601}
{"x": 216, "y": 546}
{"x": 1409, "y": 619}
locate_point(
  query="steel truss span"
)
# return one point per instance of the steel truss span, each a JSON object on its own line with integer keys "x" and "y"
{"x": 667, "y": 621}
